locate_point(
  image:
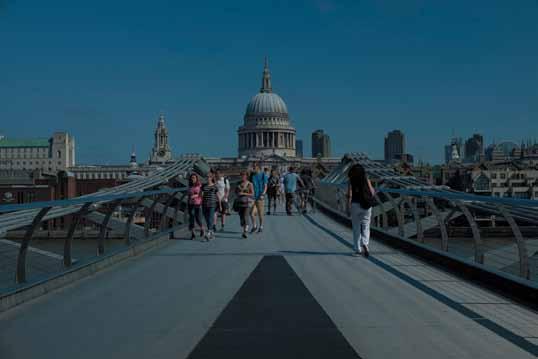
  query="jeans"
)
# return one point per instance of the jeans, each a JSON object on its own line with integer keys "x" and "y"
{"x": 243, "y": 211}
{"x": 271, "y": 196}
{"x": 290, "y": 199}
{"x": 209, "y": 215}
{"x": 360, "y": 218}
{"x": 194, "y": 216}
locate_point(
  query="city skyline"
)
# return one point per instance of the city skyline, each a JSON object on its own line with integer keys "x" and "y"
{"x": 475, "y": 70}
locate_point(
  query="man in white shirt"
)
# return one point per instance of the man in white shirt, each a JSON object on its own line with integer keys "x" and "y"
{"x": 223, "y": 191}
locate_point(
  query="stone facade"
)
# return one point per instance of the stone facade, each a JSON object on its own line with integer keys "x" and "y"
{"x": 161, "y": 152}
{"x": 48, "y": 155}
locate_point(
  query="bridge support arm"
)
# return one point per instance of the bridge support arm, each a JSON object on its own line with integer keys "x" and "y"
{"x": 478, "y": 247}
{"x": 23, "y": 250}
{"x": 401, "y": 231}
{"x": 129, "y": 223}
{"x": 441, "y": 221}
{"x": 520, "y": 242}
{"x": 68, "y": 243}
{"x": 164, "y": 217}
{"x": 104, "y": 228}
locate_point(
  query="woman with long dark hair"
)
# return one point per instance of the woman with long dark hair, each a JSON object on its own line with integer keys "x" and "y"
{"x": 360, "y": 202}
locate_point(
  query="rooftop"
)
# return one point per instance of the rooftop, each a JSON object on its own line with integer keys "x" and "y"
{"x": 33, "y": 142}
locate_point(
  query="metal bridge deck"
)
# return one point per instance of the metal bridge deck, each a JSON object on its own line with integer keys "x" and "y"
{"x": 185, "y": 300}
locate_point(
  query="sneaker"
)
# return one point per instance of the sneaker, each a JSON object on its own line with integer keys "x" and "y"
{"x": 202, "y": 232}
{"x": 356, "y": 254}
{"x": 260, "y": 230}
{"x": 268, "y": 213}
{"x": 254, "y": 229}
{"x": 244, "y": 235}
{"x": 193, "y": 236}
{"x": 366, "y": 251}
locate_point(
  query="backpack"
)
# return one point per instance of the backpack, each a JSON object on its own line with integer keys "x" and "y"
{"x": 367, "y": 200}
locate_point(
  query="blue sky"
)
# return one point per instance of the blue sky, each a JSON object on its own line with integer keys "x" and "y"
{"x": 103, "y": 70}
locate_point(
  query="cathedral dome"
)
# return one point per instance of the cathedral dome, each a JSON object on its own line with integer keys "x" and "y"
{"x": 266, "y": 102}
{"x": 266, "y": 128}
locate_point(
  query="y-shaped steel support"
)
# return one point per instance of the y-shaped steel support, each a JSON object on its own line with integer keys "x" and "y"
{"x": 21, "y": 259}
{"x": 149, "y": 213}
{"x": 478, "y": 251}
{"x": 412, "y": 204}
{"x": 520, "y": 242}
{"x": 401, "y": 231}
{"x": 68, "y": 243}
{"x": 128, "y": 224}
{"x": 104, "y": 227}
{"x": 164, "y": 216}
{"x": 384, "y": 217}
{"x": 441, "y": 221}
{"x": 178, "y": 208}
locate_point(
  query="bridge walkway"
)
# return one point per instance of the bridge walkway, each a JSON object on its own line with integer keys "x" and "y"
{"x": 292, "y": 291}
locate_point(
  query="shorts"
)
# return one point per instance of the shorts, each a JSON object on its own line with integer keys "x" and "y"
{"x": 223, "y": 208}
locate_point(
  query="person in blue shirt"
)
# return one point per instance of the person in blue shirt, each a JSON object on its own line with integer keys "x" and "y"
{"x": 259, "y": 181}
{"x": 290, "y": 187}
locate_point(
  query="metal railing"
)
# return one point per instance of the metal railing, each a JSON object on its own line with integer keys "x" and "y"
{"x": 497, "y": 233}
{"x": 113, "y": 210}
{"x": 106, "y": 205}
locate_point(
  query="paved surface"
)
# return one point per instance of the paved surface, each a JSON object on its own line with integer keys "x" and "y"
{"x": 198, "y": 299}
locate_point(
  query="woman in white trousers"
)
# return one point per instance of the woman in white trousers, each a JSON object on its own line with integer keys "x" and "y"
{"x": 360, "y": 201}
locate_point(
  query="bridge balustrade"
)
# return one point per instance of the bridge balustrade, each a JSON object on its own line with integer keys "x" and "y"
{"x": 500, "y": 234}
{"x": 102, "y": 225}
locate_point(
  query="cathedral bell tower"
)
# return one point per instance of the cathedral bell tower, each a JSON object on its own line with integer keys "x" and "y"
{"x": 161, "y": 152}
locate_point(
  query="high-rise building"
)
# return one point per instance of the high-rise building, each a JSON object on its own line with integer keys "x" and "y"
{"x": 161, "y": 152}
{"x": 299, "y": 148}
{"x": 49, "y": 155}
{"x": 394, "y": 145}
{"x": 321, "y": 144}
{"x": 474, "y": 148}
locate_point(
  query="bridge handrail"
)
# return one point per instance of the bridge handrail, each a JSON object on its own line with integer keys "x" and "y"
{"x": 86, "y": 199}
{"x": 451, "y": 195}
{"x": 461, "y": 196}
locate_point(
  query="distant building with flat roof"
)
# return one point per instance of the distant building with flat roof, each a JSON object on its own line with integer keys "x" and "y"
{"x": 394, "y": 145}
{"x": 49, "y": 155}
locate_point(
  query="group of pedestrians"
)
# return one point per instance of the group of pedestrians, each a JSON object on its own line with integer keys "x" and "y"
{"x": 211, "y": 201}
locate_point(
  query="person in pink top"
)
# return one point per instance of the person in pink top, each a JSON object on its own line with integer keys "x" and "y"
{"x": 194, "y": 194}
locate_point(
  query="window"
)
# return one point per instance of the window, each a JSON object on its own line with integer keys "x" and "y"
{"x": 503, "y": 175}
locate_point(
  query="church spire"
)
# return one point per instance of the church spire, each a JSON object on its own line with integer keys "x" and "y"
{"x": 266, "y": 81}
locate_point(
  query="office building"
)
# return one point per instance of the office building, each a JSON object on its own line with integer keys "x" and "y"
{"x": 321, "y": 144}
{"x": 394, "y": 145}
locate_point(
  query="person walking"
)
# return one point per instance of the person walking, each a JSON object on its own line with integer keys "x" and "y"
{"x": 194, "y": 203}
{"x": 209, "y": 204}
{"x": 360, "y": 201}
{"x": 290, "y": 187}
{"x": 223, "y": 193}
{"x": 244, "y": 192}
{"x": 273, "y": 186}
{"x": 259, "y": 183}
